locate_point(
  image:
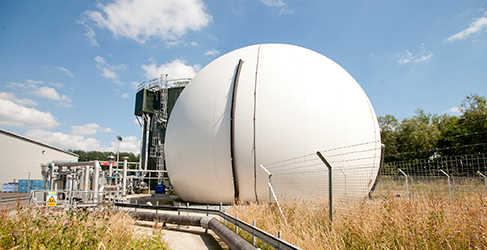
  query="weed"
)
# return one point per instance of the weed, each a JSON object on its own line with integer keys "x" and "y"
{"x": 34, "y": 228}
{"x": 386, "y": 223}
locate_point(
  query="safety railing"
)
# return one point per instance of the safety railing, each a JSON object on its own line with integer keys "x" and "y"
{"x": 13, "y": 199}
{"x": 72, "y": 199}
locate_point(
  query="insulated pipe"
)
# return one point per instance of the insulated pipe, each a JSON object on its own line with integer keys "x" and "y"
{"x": 75, "y": 164}
{"x": 110, "y": 170}
{"x": 124, "y": 176}
{"x": 87, "y": 178}
{"x": 69, "y": 182}
{"x": 87, "y": 183}
{"x": 112, "y": 187}
{"x": 51, "y": 183}
{"x": 184, "y": 220}
{"x": 96, "y": 178}
{"x": 233, "y": 240}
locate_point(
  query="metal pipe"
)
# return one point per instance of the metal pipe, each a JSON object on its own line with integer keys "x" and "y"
{"x": 86, "y": 183}
{"x": 267, "y": 238}
{"x": 124, "y": 176}
{"x": 51, "y": 183}
{"x": 233, "y": 240}
{"x": 87, "y": 178}
{"x": 96, "y": 178}
{"x": 110, "y": 169}
{"x": 74, "y": 163}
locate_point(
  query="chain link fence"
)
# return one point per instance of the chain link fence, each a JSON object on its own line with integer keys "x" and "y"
{"x": 358, "y": 172}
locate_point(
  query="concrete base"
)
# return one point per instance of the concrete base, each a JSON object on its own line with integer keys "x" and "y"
{"x": 160, "y": 196}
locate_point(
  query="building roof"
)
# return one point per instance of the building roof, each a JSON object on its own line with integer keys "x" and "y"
{"x": 36, "y": 142}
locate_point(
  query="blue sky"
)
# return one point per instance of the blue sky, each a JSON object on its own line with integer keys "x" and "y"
{"x": 68, "y": 69}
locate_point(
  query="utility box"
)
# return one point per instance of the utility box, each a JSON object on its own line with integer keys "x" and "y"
{"x": 144, "y": 102}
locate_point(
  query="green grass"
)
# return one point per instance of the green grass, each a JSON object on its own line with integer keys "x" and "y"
{"x": 33, "y": 228}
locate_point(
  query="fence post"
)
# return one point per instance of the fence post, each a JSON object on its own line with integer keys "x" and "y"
{"x": 407, "y": 183}
{"x": 449, "y": 189}
{"x": 330, "y": 193}
{"x": 485, "y": 180}
{"x": 270, "y": 182}
{"x": 346, "y": 195}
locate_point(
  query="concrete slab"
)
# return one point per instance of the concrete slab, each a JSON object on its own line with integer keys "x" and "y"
{"x": 186, "y": 237}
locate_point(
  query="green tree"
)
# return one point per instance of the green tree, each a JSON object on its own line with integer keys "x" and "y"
{"x": 418, "y": 136}
{"x": 389, "y": 126}
{"x": 468, "y": 133}
{"x": 412, "y": 138}
{"x": 103, "y": 156}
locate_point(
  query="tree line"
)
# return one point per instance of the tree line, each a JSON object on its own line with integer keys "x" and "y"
{"x": 427, "y": 135}
{"x": 103, "y": 156}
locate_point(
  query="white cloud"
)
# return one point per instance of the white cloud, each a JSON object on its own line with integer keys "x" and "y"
{"x": 134, "y": 84}
{"x": 12, "y": 114}
{"x": 141, "y": 20}
{"x": 128, "y": 144}
{"x": 30, "y": 81}
{"x": 52, "y": 94}
{"x": 64, "y": 141}
{"x": 125, "y": 96}
{"x": 176, "y": 69}
{"x": 34, "y": 88}
{"x": 476, "y": 27}
{"x": 109, "y": 71}
{"x": 65, "y": 70}
{"x": 280, "y": 4}
{"x": 74, "y": 141}
{"x": 454, "y": 111}
{"x": 107, "y": 130}
{"x": 89, "y": 129}
{"x": 57, "y": 85}
{"x": 212, "y": 52}
{"x": 410, "y": 58}
{"x": 90, "y": 33}
{"x": 194, "y": 43}
{"x": 13, "y": 98}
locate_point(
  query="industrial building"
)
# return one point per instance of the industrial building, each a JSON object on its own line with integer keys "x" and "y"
{"x": 21, "y": 156}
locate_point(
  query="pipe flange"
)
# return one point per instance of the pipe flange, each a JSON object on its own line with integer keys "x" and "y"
{"x": 205, "y": 221}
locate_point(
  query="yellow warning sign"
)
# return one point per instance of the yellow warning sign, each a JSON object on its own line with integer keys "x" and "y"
{"x": 51, "y": 199}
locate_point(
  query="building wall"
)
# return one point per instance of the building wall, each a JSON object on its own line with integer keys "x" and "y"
{"x": 20, "y": 156}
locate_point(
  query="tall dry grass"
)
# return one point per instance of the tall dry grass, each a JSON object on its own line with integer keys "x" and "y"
{"x": 32, "y": 228}
{"x": 386, "y": 223}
